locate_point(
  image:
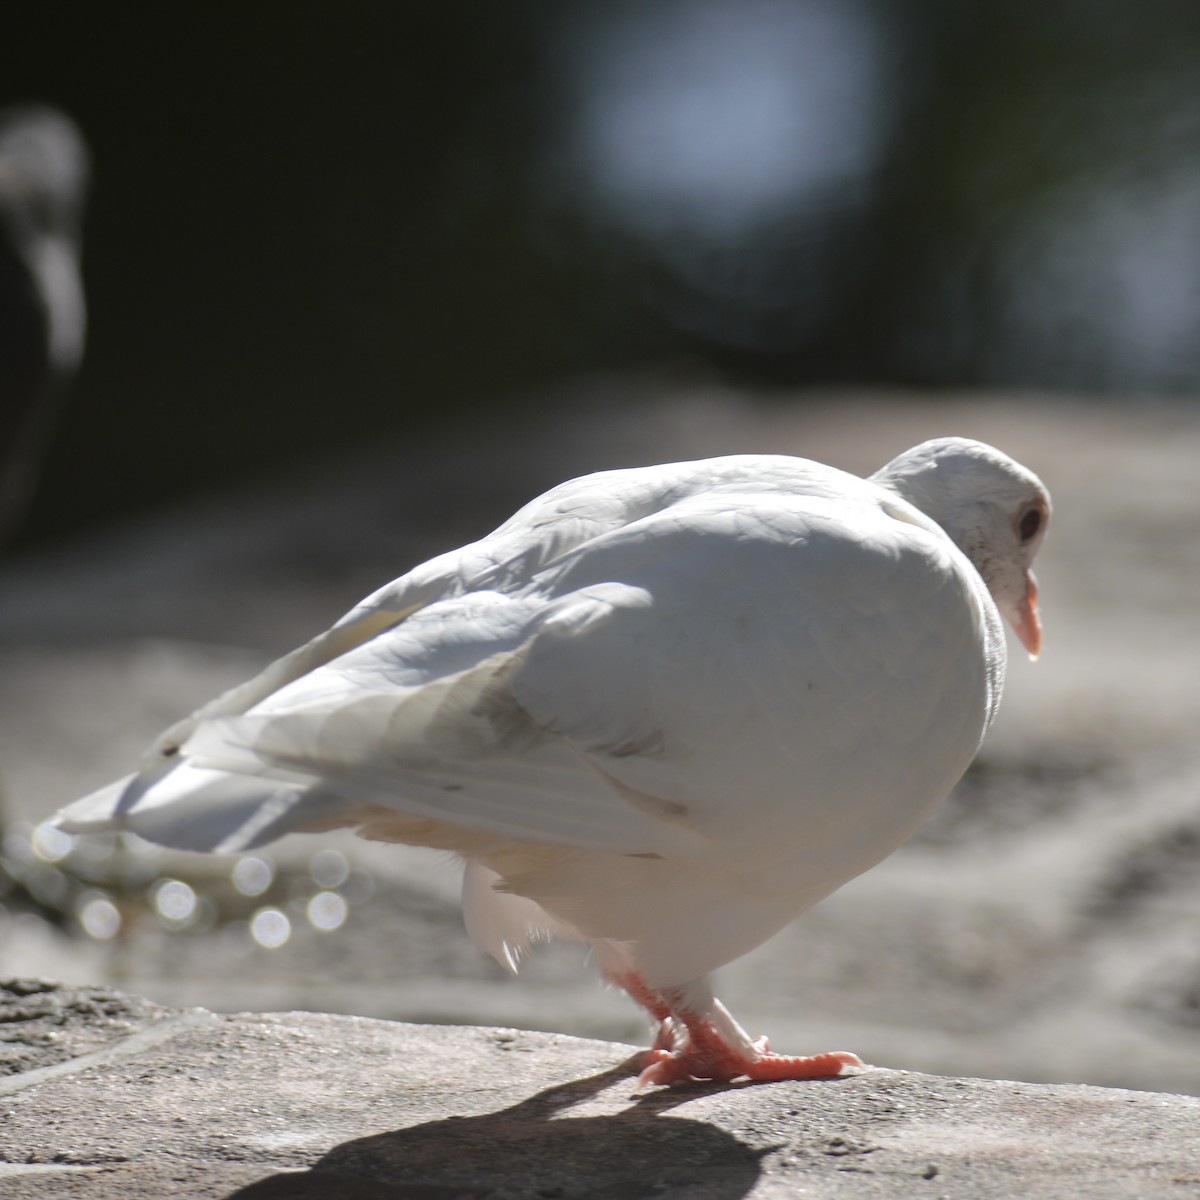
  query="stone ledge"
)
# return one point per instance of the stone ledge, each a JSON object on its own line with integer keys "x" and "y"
{"x": 133, "y": 1101}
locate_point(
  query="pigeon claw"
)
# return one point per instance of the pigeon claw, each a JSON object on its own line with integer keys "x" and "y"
{"x": 696, "y": 1038}
{"x": 664, "y": 1067}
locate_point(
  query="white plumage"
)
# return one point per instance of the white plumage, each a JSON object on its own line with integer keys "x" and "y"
{"x": 663, "y": 710}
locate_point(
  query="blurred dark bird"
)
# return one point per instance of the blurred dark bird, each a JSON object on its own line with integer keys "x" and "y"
{"x": 44, "y": 169}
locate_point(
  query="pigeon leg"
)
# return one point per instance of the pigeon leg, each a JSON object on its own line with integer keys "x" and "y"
{"x": 655, "y": 1003}
{"x": 709, "y": 1044}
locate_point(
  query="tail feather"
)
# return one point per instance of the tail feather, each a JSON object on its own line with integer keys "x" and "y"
{"x": 196, "y": 808}
{"x": 96, "y": 812}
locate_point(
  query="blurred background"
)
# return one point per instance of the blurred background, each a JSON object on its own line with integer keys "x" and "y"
{"x": 310, "y": 224}
{"x": 361, "y": 278}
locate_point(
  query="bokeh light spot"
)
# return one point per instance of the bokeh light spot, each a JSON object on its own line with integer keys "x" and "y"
{"x": 50, "y": 844}
{"x": 174, "y": 900}
{"x": 252, "y": 875}
{"x": 329, "y": 868}
{"x": 100, "y": 918}
{"x": 327, "y": 910}
{"x": 270, "y": 928}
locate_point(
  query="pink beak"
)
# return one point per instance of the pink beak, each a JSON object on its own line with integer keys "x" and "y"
{"x": 1027, "y": 626}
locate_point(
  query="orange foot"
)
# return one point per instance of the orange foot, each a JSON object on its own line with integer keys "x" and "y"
{"x": 705, "y": 1055}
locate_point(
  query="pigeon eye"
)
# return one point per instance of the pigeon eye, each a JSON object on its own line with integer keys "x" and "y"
{"x": 1029, "y": 524}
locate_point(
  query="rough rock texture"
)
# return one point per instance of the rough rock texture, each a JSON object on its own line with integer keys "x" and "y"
{"x": 298, "y": 1105}
{"x": 44, "y": 1023}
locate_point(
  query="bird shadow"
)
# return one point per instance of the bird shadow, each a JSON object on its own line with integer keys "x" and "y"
{"x": 530, "y": 1150}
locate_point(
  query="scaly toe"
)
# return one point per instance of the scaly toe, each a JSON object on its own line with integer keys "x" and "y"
{"x": 816, "y": 1066}
{"x": 660, "y": 1068}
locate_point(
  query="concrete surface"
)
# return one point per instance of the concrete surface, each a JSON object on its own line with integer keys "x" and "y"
{"x": 132, "y": 1101}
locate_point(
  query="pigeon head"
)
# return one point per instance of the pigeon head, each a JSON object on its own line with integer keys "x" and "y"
{"x": 995, "y": 510}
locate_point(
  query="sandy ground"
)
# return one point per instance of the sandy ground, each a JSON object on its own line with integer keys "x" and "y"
{"x": 1044, "y": 926}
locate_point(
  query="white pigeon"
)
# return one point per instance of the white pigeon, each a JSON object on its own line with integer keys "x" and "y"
{"x": 661, "y": 710}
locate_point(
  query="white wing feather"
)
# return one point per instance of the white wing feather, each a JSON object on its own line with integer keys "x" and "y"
{"x": 622, "y": 667}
